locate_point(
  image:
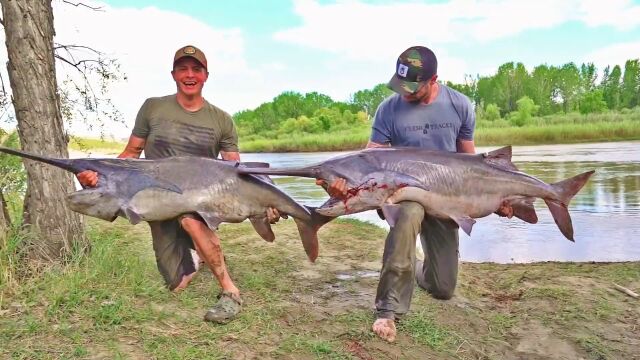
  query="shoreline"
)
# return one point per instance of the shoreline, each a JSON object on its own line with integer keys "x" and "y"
{"x": 113, "y": 151}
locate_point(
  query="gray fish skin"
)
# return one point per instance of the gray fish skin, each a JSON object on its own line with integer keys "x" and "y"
{"x": 454, "y": 186}
{"x": 163, "y": 189}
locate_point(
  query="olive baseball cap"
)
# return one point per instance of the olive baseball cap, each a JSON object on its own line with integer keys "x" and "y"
{"x": 190, "y": 51}
{"x": 414, "y": 65}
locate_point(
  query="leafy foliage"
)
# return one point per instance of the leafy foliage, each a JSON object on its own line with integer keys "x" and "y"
{"x": 13, "y": 175}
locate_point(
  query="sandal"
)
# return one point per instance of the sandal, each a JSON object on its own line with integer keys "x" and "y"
{"x": 226, "y": 309}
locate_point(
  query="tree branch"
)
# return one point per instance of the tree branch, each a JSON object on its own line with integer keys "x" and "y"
{"x": 76, "y": 65}
{"x": 67, "y": 48}
{"x": 83, "y": 4}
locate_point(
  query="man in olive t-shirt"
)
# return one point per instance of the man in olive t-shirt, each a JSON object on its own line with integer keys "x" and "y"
{"x": 186, "y": 124}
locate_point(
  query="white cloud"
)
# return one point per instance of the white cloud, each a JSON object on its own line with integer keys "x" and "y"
{"x": 614, "y": 54}
{"x": 372, "y": 31}
{"x": 620, "y": 14}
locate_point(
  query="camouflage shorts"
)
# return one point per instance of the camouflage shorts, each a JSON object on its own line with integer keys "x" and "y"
{"x": 174, "y": 250}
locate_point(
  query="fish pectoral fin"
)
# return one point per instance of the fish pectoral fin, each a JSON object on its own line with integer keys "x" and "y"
{"x": 403, "y": 180}
{"x": 210, "y": 219}
{"x": 141, "y": 181}
{"x": 167, "y": 186}
{"x": 465, "y": 223}
{"x": 263, "y": 228}
{"x": 132, "y": 215}
{"x": 391, "y": 213}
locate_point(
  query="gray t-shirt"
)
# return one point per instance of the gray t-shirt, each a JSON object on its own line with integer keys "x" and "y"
{"x": 435, "y": 126}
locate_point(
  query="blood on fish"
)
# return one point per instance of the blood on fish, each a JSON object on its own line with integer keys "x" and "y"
{"x": 353, "y": 192}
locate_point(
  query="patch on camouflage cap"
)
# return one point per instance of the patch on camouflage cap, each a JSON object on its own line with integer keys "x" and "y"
{"x": 414, "y": 65}
{"x": 190, "y": 51}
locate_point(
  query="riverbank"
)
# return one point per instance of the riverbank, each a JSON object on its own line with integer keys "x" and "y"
{"x": 487, "y": 134}
{"x": 112, "y": 304}
{"x": 555, "y": 129}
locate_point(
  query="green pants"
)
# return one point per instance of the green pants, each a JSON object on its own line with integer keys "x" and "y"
{"x": 439, "y": 272}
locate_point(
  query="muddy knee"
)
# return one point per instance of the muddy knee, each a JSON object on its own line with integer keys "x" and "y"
{"x": 411, "y": 211}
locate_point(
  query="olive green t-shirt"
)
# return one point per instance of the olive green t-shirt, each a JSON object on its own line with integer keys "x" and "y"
{"x": 170, "y": 130}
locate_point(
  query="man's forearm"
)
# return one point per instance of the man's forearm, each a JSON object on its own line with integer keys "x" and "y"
{"x": 372, "y": 144}
{"x": 130, "y": 153}
{"x": 230, "y": 155}
{"x": 134, "y": 148}
{"x": 466, "y": 146}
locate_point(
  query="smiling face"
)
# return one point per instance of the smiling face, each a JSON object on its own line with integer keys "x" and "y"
{"x": 189, "y": 76}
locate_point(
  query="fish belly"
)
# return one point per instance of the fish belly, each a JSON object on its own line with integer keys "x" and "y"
{"x": 446, "y": 205}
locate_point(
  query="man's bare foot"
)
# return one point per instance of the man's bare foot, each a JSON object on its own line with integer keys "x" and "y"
{"x": 184, "y": 282}
{"x": 385, "y": 329}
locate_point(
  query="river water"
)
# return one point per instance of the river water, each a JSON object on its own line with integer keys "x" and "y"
{"x": 605, "y": 213}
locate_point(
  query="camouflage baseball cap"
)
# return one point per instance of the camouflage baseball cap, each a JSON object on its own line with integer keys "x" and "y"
{"x": 414, "y": 65}
{"x": 190, "y": 51}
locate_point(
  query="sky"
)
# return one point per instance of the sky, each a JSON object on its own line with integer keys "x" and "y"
{"x": 258, "y": 49}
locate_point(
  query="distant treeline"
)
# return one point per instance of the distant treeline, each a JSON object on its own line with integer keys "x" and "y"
{"x": 512, "y": 93}
{"x": 292, "y": 112}
{"x": 554, "y": 89}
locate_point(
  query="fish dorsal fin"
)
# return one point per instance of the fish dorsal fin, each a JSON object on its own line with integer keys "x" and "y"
{"x": 500, "y": 158}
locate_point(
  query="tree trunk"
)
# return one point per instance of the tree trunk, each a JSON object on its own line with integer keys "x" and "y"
{"x": 5, "y": 221}
{"x": 29, "y": 34}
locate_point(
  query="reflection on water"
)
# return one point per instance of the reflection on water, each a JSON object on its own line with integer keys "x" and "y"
{"x": 605, "y": 213}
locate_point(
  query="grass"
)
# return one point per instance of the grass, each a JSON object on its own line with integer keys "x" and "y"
{"x": 112, "y": 303}
{"x": 552, "y": 129}
{"x": 559, "y": 133}
{"x": 97, "y": 145}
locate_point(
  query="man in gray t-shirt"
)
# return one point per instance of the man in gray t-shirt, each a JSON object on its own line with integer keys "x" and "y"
{"x": 426, "y": 114}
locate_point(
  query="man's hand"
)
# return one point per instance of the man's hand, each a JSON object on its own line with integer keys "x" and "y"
{"x": 88, "y": 178}
{"x": 273, "y": 215}
{"x": 337, "y": 189}
{"x": 505, "y": 209}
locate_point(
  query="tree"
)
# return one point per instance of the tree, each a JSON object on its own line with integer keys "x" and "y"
{"x": 540, "y": 88}
{"x": 592, "y": 102}
{"x": 588, "y": 76}
{"x": 368, "y": 100}
{"x": 492, "y": 112}
{"x": 611, "y": 87}
{"x": 526, "y": 109}
{"x": 29, "y": 34}
{"x": 567, "y": 85}
{"x": 630, "y": 92}
{"x": 289, "y": 104}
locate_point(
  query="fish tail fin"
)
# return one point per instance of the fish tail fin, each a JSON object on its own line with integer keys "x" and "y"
{"x": 66, "y": 164}
{"x": 308, "y": 230}
{"x": 566, "y": 190}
